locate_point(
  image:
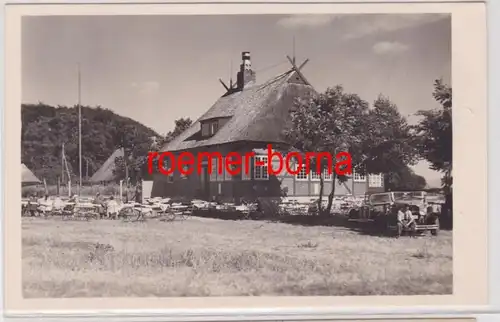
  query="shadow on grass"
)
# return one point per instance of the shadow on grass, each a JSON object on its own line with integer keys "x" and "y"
{"x": 297, "y": 220}
{"x": 362, "y": 228}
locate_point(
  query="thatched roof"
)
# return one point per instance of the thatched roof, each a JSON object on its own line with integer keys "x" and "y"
{"x": 105, "y": 172}
{"x": 27, "y": 177}
{"x": 257, "y": 113}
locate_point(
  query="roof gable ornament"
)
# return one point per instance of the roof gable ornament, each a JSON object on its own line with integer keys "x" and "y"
{"x": 227, "y": 88}
{"x": 297, "y": 69}
{"x": 246, "y": 68}
{"x": 232, "y": 87}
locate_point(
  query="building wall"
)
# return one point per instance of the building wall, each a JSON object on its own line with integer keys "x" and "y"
{"x": 311, "y": 187}
{"x": 239, "y": 187}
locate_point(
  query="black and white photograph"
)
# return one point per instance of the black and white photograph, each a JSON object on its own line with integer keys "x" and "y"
{"x": 104, "y": 97}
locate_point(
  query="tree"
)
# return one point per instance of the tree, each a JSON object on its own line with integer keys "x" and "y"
{"x": 329, "y": 122}
{"x": 389, "y": 144}
{"x": 404, "y": 179}
{"x": 308, "y": 131}
{"x": 181, "y": 125}
{"x": 379, "y": 140}
{"x": 46, "y": 128}
{"x": 435, "y": 134}
{"x": 137, "y": 147}
{"x": 436, "y": 139}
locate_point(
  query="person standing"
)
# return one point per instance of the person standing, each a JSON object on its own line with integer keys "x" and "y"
{"x": 138, "y": 194}
{"x": 33, "y": 205}
{"x": 138, "y": 201}
{"x": 99, "y": 202}
{"x": 112, "y": 208}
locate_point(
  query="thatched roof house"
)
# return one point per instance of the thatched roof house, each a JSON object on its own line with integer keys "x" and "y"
{"x": 247, "y": 118}
{"x": 255, "y": 113}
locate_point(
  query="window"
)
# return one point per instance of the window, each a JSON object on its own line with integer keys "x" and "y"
{"x": 228, "y": 176}
{"x": 315, "y": 175}
{"x": 166, "y": 163}
{"x": 185, "y": 170}
{"x": 246, "y": 175}
{"x": 209, "y": 128}
{"x": 260, "y": 168}
{"x": 359, "y": 177}
{"x": 327, "y": 176}
{"x": 302, "y": 175}
{"x": 214, "y": 126}
{"x": 205, "y": 129}
{"x": 215, "y": 175}
{"x": 222, "y": 170}
{"x": 166, "y": 166}
{"x": 375, "y": 180}
{"x": 275, "y": 164}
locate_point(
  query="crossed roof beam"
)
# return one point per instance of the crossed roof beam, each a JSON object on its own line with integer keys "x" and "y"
{"x": 297, "y": 69}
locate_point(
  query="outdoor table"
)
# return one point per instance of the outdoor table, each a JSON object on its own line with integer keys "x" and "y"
{"x": 179, "y": 207}
{"x": 85, "y": 210}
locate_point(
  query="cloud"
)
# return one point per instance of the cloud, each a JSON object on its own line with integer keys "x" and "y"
{"x": 146, "y": 87}
{"x": 353, "y": 26}
{"x": 373, "y": 24}
{"x": 308, "y": 21}
{"x": 387, "y": 48}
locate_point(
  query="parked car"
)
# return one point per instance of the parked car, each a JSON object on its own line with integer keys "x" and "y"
{"x": 382, "y": 208}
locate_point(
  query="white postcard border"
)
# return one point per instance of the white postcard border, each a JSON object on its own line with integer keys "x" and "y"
{"x": 289, "y": 313}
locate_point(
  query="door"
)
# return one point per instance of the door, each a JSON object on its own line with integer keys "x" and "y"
{"x": 205, "y": 182}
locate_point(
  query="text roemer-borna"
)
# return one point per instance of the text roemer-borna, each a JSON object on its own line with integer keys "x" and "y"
{"x": 186, "y": 162}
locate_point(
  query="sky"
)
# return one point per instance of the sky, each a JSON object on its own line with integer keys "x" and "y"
{"x": 156, "y": 69}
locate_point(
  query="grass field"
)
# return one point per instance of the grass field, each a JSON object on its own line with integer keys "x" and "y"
{"x": 210, "y": 257}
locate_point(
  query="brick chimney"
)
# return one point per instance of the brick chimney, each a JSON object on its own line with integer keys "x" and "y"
{"x": 246, "y": 74}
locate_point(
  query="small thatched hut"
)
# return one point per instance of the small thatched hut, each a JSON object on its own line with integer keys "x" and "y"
{"x": 105, "y": 173}
{"x": 27, "y": 176}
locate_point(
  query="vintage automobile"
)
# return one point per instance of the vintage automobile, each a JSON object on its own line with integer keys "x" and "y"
{"x": 369, "y": 209}
{"x": 382, "y": 209}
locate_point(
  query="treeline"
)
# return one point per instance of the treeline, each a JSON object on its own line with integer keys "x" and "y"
{"x": 378, "y": 138}
{"x": 46, "y": 128}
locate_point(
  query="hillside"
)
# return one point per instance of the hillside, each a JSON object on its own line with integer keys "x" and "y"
{"x": 45, "y": 128}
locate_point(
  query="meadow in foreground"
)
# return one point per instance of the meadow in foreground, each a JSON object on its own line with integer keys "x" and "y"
{"x": 210, "y": 257}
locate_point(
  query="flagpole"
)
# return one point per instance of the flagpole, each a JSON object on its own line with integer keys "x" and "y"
{"x": 79, "y": 132}
{"x": 62, "y": 163}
